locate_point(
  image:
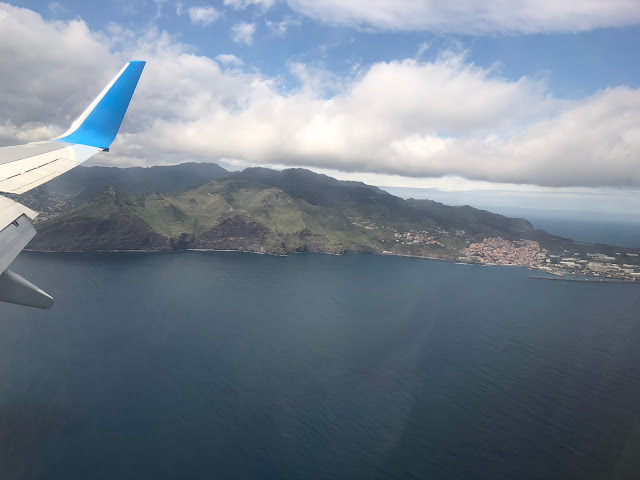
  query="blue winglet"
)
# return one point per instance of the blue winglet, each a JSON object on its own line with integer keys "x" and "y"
{"x": 99, "y": 124}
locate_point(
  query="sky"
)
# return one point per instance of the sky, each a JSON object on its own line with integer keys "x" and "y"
{"x": 516, "y": 102}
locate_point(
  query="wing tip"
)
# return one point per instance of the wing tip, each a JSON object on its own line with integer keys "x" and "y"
{"x": 100, "y": 122}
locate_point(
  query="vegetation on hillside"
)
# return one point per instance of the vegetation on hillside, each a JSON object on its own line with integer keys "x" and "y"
{"x": 279, "y": 212}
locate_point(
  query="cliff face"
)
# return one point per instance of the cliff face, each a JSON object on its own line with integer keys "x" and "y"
{"x": 240, "y": 231}
{"x": 105, "y": 224}
{"x": 267, "y": 211}
{"x": 115, "y": 231}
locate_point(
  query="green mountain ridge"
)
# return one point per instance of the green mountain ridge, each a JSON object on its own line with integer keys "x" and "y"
{"x": 280, "y": 212}
{"x": 83, "y": 184}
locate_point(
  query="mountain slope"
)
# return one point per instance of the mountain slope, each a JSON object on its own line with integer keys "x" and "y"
{"x": 107, "y": 223}
{"x": 358, "y": 200}
{"x": 82, "y": 184}
{"x": 199, "y": 217}
{"x": 294, "y": 210}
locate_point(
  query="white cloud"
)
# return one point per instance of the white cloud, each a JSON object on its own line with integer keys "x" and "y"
{"x": 201, "y": 15}
{"x": 280, "y": 28}
{"x": 228, "y": 59}
{"x": 422, "y": 49}
{"x": 409, "y": 117}
{"x": 243, "y": 33}
{"x": 38, "y": 53}
{"x": 473, "y": 16}
{"x": 424, "y": 119}
{"x": 159, "y": 4}
{"x": 242, "y": 4}
{"x": 27, "y": 132}
{"x": 56, "y": 8}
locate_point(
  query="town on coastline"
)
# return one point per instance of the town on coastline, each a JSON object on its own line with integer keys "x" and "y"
{"x": 528, "y": 253}
{"x": 623, "y": 266}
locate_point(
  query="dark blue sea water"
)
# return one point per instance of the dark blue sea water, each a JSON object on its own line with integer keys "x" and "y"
{"x": 229, "y": 365}
{"x": 613, "y": 232}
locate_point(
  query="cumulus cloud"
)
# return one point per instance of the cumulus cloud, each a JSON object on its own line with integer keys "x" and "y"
{"x": 425, "y": 119}
{"x": 36, "y": 57}
{"x": 243, "y": 33}
{"x": 56, "y": 7}
{"x": 422, "y": 49}
{"x": 407, "y": 117}
{"x": 203, "y": 15}
{"x": 280, "y": 28}
{"x": 473, "y": 16}
{"x": 229, "y": 59}
{"x": 27, "y": 132}
{"x": 242, "y": 4}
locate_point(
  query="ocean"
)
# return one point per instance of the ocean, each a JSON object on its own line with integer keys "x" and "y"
{"x": 612, "y": 232}
{"x": 230, "y": 365}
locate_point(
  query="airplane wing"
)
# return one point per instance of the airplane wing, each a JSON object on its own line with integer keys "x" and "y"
{"x": 24, "y": 167}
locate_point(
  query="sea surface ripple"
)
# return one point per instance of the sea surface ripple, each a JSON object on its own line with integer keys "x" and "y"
{"x": 230, "y": 365}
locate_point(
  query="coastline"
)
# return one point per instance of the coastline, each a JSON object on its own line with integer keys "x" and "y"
{"x": 552, "y": 275}
{"x": 585, "y": 279}
{"x": 245, "y": 251}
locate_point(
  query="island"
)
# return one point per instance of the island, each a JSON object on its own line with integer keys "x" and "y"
{"x": 204, "y": 207}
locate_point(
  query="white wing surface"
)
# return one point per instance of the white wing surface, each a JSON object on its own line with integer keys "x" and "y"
{"x": 24, "y": 167}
